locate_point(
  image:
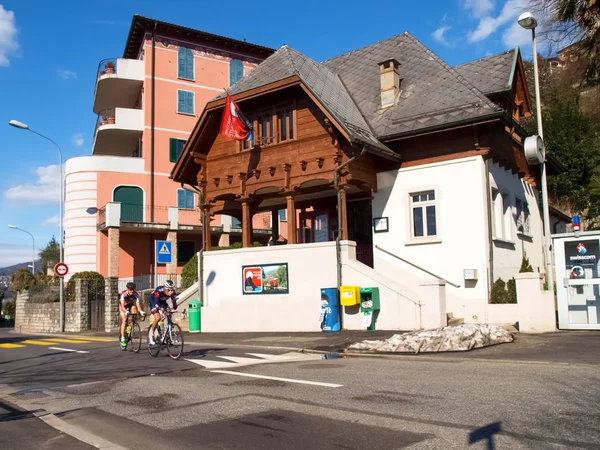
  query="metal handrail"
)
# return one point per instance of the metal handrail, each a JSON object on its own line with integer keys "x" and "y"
{"x": 417, "y": 267}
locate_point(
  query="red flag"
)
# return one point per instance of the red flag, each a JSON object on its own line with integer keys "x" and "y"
{"x": 233, "y": 124}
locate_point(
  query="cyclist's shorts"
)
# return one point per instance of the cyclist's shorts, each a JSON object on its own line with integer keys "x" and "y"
{"x": 125, "y": 307}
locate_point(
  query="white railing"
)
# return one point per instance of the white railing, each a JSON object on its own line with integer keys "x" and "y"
{"x": 146, "y": 281}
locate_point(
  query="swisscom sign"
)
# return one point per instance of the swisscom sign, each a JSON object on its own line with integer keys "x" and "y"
{"x": 582, "y": 252}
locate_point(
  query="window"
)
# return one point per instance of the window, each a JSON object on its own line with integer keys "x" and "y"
{"x": 285, "y": 121}
{"x": 424, "y": 217}
{"x": 265, "y": 129}
{"x": 236, "y": 223}
{"x": 175, "y": 148}
{"x": 185, "y": 251}
{"x": 185, "y": 199}
{"x": 185, "y": 66}
{"x": 501, "y": 225}
{"x": 282, "y": 215}
{"x": 522, "y": 217}
{"x": 236, "y": 71}
{"x": 185, "y": 102}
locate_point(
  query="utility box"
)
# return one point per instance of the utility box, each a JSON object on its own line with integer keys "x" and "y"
{"x": 369, "y": 307}
{"x": 349, "y": 295}
{"x": 330, "y": 310}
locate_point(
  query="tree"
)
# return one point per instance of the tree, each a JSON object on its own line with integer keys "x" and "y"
{"x": 571, "y": 137}
{"x": 566, "y": 21}
{"x": 50, "y": 255}
{"x": 22, "y": 280}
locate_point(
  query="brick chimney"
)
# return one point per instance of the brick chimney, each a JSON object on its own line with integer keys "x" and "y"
{"x": 389, "y": 74}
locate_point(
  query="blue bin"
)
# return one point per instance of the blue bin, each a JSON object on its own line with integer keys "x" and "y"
{"x": 330, "y": 310}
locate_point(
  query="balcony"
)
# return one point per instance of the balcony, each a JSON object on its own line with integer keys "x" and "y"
{"x": 118, "y": 84}
{"x": 118, "y": 132}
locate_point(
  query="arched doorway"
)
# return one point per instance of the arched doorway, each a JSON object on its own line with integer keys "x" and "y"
{"x": 132, "y": 203}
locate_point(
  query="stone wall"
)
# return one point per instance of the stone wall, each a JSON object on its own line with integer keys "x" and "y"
{"x": 45, "y": 317}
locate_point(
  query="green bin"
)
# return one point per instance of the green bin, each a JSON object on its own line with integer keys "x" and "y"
{"x": 194, "y": 316}
{"x": 369, "y": 307}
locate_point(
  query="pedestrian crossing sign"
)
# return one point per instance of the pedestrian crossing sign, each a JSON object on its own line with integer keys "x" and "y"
{"x": 164, "y": 252}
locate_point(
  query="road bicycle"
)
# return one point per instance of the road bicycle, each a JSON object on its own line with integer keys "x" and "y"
{"x": 133, "y": 332}
{"x": 167, "y": 334}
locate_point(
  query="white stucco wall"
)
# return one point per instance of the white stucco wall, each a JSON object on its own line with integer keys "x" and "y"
{"x": 462, "y": 231}
{"x": 310, "y": 268}
{"x": 508, "y": 255}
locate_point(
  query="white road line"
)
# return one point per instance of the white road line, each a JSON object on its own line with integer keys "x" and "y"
{"x": 210, "y": 364}
{"x": 67, "y": 350}
{"x": 288, "y": 380}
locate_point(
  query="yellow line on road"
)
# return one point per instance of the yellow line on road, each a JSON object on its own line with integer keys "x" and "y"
{"x": 67, "y": 341}
{"x": 11, "y": 346}
{"x": 33, "y": 342}
{"x": 94, "y": 339}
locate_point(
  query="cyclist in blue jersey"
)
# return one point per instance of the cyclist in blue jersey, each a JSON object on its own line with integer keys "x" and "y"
{"x": 158, "y": 303}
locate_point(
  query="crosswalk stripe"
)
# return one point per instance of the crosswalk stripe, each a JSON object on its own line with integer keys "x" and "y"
{"x": 263, "y": 358}
{"x": 239, "y": 360}
{"x": 34, "y": 342}
{"x": 11, "y": 346}
{"x": 67, "y": 350}
{"x": 210, "y": 364}
{"x": 66, "y": 341}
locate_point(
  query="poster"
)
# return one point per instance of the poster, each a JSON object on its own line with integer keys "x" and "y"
{"x": 265, "y": 279}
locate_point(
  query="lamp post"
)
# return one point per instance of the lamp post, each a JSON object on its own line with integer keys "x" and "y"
{"x": 528, "y": 22}
{"x": 22, "y": 126}
{"x": 32, "y": 240}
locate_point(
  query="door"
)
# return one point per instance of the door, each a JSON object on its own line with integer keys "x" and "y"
{"x": 94, "y": 289}
{"x": 132, "y": 203}
{"x": 360, "y": 230}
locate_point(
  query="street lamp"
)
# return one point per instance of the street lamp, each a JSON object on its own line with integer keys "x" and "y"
{"x": 528, "y": 22}
{"x": 33, "y": 241}
{"x": 23, "y": 126}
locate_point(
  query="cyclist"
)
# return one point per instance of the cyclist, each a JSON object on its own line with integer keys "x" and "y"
{"x": 158, "y": 303}
{"x": 129, "y": 301}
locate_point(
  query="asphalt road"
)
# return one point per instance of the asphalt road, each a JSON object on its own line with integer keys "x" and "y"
{"x": 350, "y": 403}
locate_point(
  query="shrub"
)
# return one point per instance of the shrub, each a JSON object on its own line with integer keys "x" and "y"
{"x": 503, "y": 293}
{"x": 525, "y": 266}
{"x": 41, "y": 293}
{"x": 95, "y": 286}
{"x": 22, "y": 280}
{"x": 8, "y": 309}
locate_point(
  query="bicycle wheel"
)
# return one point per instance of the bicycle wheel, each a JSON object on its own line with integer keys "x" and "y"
{"x": 135, "y": 337}
{"x": 154, "y": 350}
{"x": 175, "y": 342}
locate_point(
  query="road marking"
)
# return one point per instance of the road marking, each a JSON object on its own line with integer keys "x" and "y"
{"x": 210, "y": 364}
{"x": 280, "y": 357}
{"x": 34, "y": 342}
{"x": 238, "y": 361}
{"x": 94, "y": 339}
{"x": 11, "y": 346}
{"x": 287, "y": 380}
{"x": 67, "y": 350}
{"x": 66, "y": 341}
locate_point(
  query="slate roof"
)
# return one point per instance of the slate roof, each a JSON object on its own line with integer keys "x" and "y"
{"x": 324, "y": 84}
{"x": 433, "y": 94}
{"x": 491, "y": 75}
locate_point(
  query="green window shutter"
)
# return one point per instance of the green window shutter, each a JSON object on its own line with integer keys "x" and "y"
{"x": 236, "y": 71}
{"x": 189, "y": 104}
{"x": 181, "y": 63}
{"x": 131, "y": 199}
{"x": 181, "y": 101}
{"x": 189, "y": 64}
{"x": 189, "y": 201}
{"x": 181, "y": 198}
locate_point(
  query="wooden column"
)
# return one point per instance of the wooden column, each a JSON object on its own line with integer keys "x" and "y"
{"x": 291, "y": 217}
{"x": 246, "y": 225}
{"x": 275, "y": 225}
{"x": 343, "y": 215}
{"x": 207, "y": 230}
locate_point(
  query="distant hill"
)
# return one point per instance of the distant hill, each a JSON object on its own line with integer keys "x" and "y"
{"x": 8, "y": 271}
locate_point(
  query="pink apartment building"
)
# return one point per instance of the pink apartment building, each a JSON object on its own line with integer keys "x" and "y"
{"x": 120, "y": 199}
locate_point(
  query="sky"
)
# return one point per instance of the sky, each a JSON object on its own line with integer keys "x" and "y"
{"x": 50, "y": 51}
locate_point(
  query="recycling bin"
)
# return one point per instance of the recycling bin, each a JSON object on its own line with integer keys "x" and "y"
{"x": 194, "y": 316}
{"x": 349, "y": 295}
{"x": 330, "y": 310}
{"x": 369, "y": 306}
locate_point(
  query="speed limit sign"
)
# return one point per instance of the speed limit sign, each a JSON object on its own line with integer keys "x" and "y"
{"x": 61, "y": 269}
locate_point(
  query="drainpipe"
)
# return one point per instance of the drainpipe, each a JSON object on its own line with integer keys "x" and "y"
{"x": 488, "y": 202}
{"x": 152, "y": 120}
{"x": 201, "y": 252}
{"x": 338, "y": 247}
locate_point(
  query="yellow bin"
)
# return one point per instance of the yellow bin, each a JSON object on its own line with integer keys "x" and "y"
{"x": 349, "y": 295}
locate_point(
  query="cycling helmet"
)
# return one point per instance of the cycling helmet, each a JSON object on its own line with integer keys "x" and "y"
{"x": 130, "y": 285}
{"x": 169, "y": 284}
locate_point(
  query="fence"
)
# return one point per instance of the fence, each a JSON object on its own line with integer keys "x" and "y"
{"x": 143, "y": 282}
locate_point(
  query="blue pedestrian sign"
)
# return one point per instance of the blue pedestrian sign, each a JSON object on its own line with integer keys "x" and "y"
{"x": 164, "y": 252}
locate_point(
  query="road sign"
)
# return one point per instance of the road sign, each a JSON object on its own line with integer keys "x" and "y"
{"x": 164, "y": 252}
{"x": 61, "y": 269}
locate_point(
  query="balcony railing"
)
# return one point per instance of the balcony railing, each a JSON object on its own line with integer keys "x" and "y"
{"x": 107, "y": 67}
{"x": 134, "y": 215}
